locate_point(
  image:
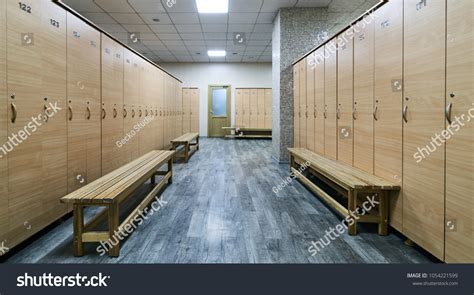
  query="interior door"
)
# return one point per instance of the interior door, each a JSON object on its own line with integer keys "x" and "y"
{"x": 345, "y": 98}
{"x": 388, "y": 140}
{"x": 310, "y": 109}
{"x": 268, "y": 108}
{"x": 423, "y": 159}
{"x": 364, "y": 96}
{"x": 330, "y": 102}
{"x": 303, "y": 107}
{"x": 261, "y": 109}
{"x": 219, "y": 110}
{"x": 296, "y": 105}
{"x": 4, "y": 223}
{"x": 459, "y": 244}
{"x": 319, "y": 101}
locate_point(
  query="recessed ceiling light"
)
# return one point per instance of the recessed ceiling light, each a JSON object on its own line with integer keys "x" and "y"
{"x": 212, "y": 6}
{"x": 216, "y": 53}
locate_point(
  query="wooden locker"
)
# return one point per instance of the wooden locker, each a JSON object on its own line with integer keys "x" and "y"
{"x": 161, "y": 101}
{"x": 130, "y": 90}
{"x": 261, "y": 109}
{"x": 24, "y": 82}
{"x": 319, "y": 101}
{"x": 4, "y": 218}
{"x": 186, "y": 110}
{"x": 143, "y": 134}
{"x": 83, "y": 97}
{"x": 459, "y": 148}
{"x": 330, "y": 100}
{"x": 154, "y": 105}
{"x": 166, "y": 127}
{"x": 253, "y": 108}
{"x": 246, "y": 107}
{"x": 195, "y": 110}
{"x": 345, "y": 97}
{"x": 238, "y": 108}
{"x": 54, "y": 129}
{"x": 310, "y": 109}
{"x": 112, "y": 104}
{"x": 303, "y": 108}
{"x": 180, "y": 108}
{"x": 268, "y": 108}
{"x": 296, "y": 105}
{"x": 424, "y": 86}
{"x": 363, "y": 109}
{"x": 388, "y": 141}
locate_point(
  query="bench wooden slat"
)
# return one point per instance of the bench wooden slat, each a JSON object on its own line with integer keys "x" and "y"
{"x": 188, "y": 137}
{"x": 343, "y": 174}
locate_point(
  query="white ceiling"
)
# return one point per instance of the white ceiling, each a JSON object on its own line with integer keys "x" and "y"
{"x": 184, "y": 35}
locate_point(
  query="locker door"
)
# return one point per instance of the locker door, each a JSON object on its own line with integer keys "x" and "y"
{"x": 310, "y": 113}
{"x": 424, "y": 72}
{"x": 253, "y": 108}
{"x": 142, "y": 109}
{"x": 303, "y": 108}
{"x": 268, "y": 108}
{"x": 246, "y": 107}
{"x": 319, "y": 101}
{"x": 180, "y": 108}
{"x": 186, "y": 110}
{"x": 345, "y": 99}
{"x": 25, "y": 85}
{"x": 161, "y": 97}
{"x": 4, "y": 223}
{"x": 83, "y": 98}
{"x": 261, "y": 109}
{"x": 54, "y": 131}
{"x": 459, "y": 156}
{"x": 112, "y": 104}
{"x": 238, "y": 108}
{"x": 131, "y": 79}
{"x": 388, "y": 141}
{"x": 296, "y": 105}
{"x": 195, "y": 111}
{"x": 330, "y": 102}
{"x": 364, "y": 96}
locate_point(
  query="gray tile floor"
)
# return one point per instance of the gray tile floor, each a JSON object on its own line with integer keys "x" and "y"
{"x": 221, "y": 209}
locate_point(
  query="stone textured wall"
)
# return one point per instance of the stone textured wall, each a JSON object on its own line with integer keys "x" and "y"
{"x": 295, "y": 32}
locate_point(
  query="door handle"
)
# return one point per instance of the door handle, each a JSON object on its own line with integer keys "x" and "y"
{"x": 104, "y": 113}
{"x": 125, "y": 113}
{"x": 71, "y": 115}
{"x": 448, "y": 112}
{"x": 14, "y": 112}
{"x": 115, "y": 113}
{"x": 46, "y": 117}
{"x": 405, "y": 110}
{"x": 325, "y": 112}
{"x": 338, "y": 113}
{"x": 88, "y": 109}
{"x": 133, "y": 113}
{"x": 376, "y": 115}
{"x": 315, "y": 113}
{"x": 354, "y": 113}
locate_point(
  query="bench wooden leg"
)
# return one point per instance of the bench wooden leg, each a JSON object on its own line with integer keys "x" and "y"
{"x": 170, "y": 169}
{"x": 383, "y": 211}
{"x": 186, "y": 151}
{"x": 78, "y": 230}
{"x": 113, "y": 229}
{"x": 197, "y": 143}
{"x": 352, "y": 202}
{"x": 292, "y": 162}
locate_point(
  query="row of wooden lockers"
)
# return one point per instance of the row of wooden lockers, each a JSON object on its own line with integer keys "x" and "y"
{"x": 253, "y": 108}
{"x": 75, "y": 105}
{"x": 191, "y": 98}
{"x": 382, "y": 102}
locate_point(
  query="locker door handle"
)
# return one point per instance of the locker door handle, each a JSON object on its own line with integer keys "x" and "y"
{"x": 306, "y": 114}
{"x": 405, "y": 111}
{"x": 376, "y": 113}
{"x": 104, "y": 113}
{"x": 125, "y": 113}
{"x": 133, "y": 113}
{"x": 140, "y": 113}
{"x": 315, "y": 113}
{"x": 448, "y": 112}
{"x": 338, "y": 113}
{"x": 115, "y": 113}
{"x": 146, "y": 113}
{"x": 45, "y": 110}
{"x": 14, "y": 112}
{"x": 71, "y": 115}
{"x": 88, "y": 113}
{"x": 354, "y": 113}
{"x": 325, "y": 112}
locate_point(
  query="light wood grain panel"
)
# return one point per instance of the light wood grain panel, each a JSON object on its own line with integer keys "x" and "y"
{"x": 261, "y": 109}
{"x": 4, "y": 218}
{"x": 345, "y": 97}
{"x": 310, "y": 103}
{"x": 238, "y": 108}
{"x": 319, "y": 104}
{"x": 459, "y": 244}
{"x": 130, "y": 101}
{"x": 424, "y": 74}
{"x": 268, "y": 108}
{"x": 253, "y": 108}
{"x": 388, "y": 140}
{"x": 303, "y": 105}
{"x": 330, "y": 96}
{"x": 246, "y": 107}
{"x": 296, "y": 105}
{"x": 161, "y": 98}
{"x": 364, "y": 95}
{"x": 186, "y": 110}
{"x": 195, "y": 96}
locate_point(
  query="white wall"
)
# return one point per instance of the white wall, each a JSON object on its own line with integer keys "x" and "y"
{"x": 238, "y": 75}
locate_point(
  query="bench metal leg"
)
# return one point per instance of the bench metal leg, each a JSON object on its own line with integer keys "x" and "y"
{"x": 383, "y": 211}
{"x": 197, "y": 143}
{"x": 153, "y": 179}
{"x": 170, "y": 170}
{"x": 292, "y": 162}
{"x": 78, "y": 230}
{"x": 352, "y": 202}
{"x": 113, "y": 229}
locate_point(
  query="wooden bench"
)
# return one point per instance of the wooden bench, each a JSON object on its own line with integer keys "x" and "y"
{"x": 348, "y": 181}
{"x": 248, "y": 132}
{"x": 110, "y": 191}
{"x": 188, "y": 141}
